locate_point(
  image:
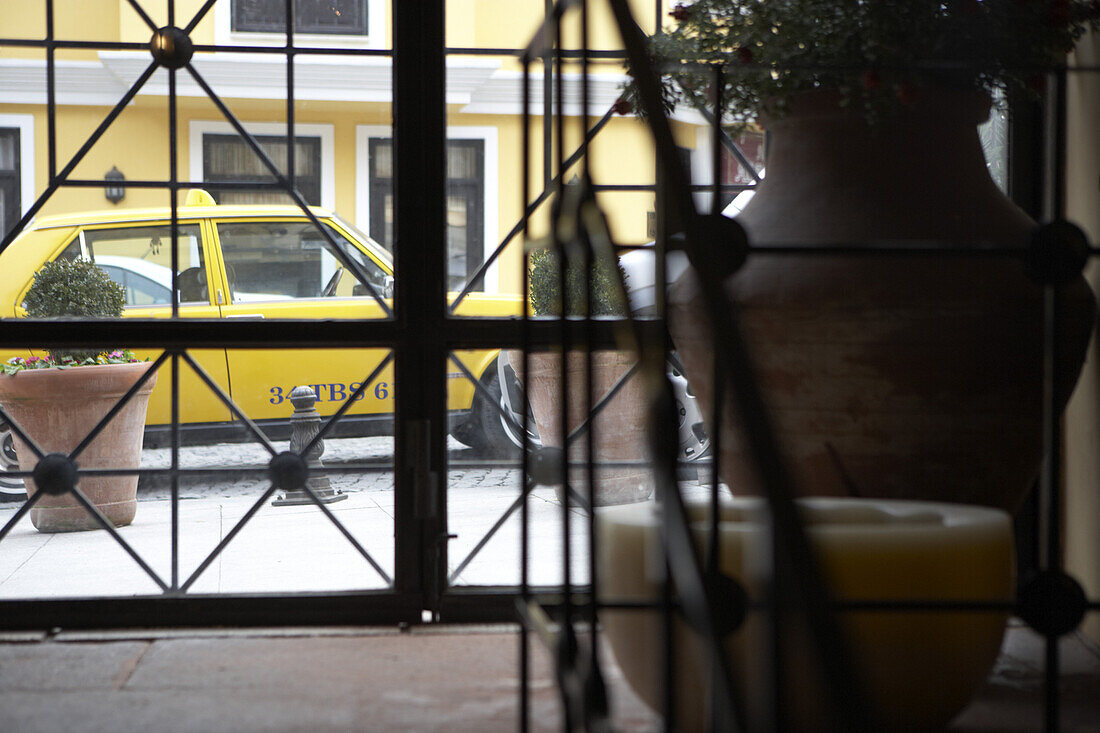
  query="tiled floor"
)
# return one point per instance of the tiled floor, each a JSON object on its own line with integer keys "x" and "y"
{"x": 428, "y": 679}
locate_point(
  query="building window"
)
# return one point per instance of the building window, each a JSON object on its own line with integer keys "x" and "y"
{"x": 327, "y": 17}
{"x": 465, "y": 204}
{"x": 226, "y": 158}
{"x": 10, "y": 200}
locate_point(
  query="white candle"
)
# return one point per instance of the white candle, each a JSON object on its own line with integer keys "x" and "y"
{"x": 918, "y": 668}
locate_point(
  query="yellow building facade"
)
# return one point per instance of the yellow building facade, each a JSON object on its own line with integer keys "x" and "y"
{"x": 342, "y": 115}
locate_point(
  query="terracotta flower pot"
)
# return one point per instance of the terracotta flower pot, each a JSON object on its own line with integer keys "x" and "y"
{"x": 898, "y": 376}
{"x": 619, "y": 429}
{"x": 57, "y": 408}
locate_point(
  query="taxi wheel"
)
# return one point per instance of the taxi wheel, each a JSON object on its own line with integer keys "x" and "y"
{"x": 499, "y": 437}
{"x": 11, "y": 488}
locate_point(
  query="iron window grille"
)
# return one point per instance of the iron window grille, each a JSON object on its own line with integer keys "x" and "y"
{"x": 419, "y": 582}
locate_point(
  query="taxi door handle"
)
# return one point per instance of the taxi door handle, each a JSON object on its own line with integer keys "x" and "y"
{"x": 254, "y": 316}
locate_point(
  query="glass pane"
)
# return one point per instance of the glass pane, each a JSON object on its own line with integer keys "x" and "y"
{"x": 383, "y": 159}
{"x": 457, "y": 241}
{"x": 285, "y": 260}
{"x": 310, "y": 16}
{"x": 487, "y": 399}
{"x": 461, "y": 161}
{"x": 228, "y": 158}
{"x": 288, "y": 545}
{"x": 140, "y": 260}
{"x": 8, "y": 140}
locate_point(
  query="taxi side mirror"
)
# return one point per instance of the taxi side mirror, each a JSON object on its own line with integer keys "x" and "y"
{"x": 387, "y": 288}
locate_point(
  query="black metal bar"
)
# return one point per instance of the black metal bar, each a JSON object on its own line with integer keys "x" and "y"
{"x": 596, "y": 409}
{"x": 461, "y": 333}
{"x": 196, "y": 610}
{"x": 290, "y": 141}
{"x": 19, "y": 514}
{"x": 419, "y": 116}
{"x": 525, "y": 518}
{"x": 298, "y": 51}
{"x": 483, "y": 392}
{"x": 51, "y": 102}
{"x": 575, "y": 53}
{"x": 547, "y": 191}
{"x": 174, "y": 468}
{"x": 723, "y": 138}
{"x": 686, "y": 573}
{"x": 56, "y": 181}
{"x": 15, "y": 428}
{"x": 797, "y": 556}
{"x": 593, "y": 549}
{"x": 519, "y": 501}
{"x": 117, "y": 407}
{"x": 228, "y": 538}
{"x": 350, "y": 262}
{"x": 330, "y": 424}
{"x": 228, "y": 402}
{"x": 145, "y": 16}
{"x": 1050, "y": 497}
{"x": 556, "y": 234}
{"x": 199, "y": 15}
{"x": 348, "y": 535}
{"x": 152, "y": 183}
{"x": 107, "y": 525}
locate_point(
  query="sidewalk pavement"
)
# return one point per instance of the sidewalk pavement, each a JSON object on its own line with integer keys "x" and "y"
{"x": 287, "y": 548}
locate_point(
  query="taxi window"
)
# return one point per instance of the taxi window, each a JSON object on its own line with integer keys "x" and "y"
{"x": 277, "y": 260}
{"x": 139, "y": 258}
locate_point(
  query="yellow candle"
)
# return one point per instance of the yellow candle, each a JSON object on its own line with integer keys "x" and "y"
{"x": 917, "y": 668}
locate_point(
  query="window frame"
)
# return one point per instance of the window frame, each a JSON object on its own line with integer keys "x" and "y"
{"x": 377, "y": 23}
{"x": 199, "y": 128}
{"x": 299, "y": 139}
{"x": 490, "y": 208}
{"x": 24, "y": 124}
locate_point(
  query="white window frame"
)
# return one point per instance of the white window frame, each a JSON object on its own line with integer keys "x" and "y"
{"x": 491, "y": 191}
{"x": 376, "y": 23}
{"x": 326, "y": 133}
{"x": 25, "y": 125}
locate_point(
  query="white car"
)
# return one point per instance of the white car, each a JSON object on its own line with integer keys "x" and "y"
{"x": 147, "y": 283}
{"x": 638, "y": 264}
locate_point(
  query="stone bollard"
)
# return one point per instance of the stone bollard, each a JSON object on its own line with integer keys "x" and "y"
{"x": 305, "y": 423}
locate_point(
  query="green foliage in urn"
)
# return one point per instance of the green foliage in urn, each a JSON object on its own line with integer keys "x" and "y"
{"x": 74, "y": 289}
{"x": 545, "y": 286}
{"x": 875, "y": 53}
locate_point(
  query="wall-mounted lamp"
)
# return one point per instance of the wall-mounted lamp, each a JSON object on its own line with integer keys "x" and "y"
{"x": 115, "y": 190}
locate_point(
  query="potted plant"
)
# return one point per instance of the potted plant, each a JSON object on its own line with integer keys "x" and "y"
{"x": 58, "y": 399}
{"x": 902, "y": 375}
{"x": 619, "y": 428}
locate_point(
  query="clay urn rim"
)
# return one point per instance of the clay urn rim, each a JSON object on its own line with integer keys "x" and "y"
{"x": 824, "y": 105}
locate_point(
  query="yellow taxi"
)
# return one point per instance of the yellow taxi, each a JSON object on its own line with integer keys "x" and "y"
{"x": 254, "y": 262}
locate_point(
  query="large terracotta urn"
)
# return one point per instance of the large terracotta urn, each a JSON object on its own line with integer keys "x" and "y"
{"x": 892, "y": 375}
{"x": 57, "y": 408}
{"x": 619, "y": 430}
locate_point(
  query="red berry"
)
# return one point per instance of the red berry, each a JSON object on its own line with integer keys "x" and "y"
{"x": 870, "y": 80}
{"x": 622, "y": 106}
{"x": 680, "y": 12}
{"x": 744, "y": 54}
